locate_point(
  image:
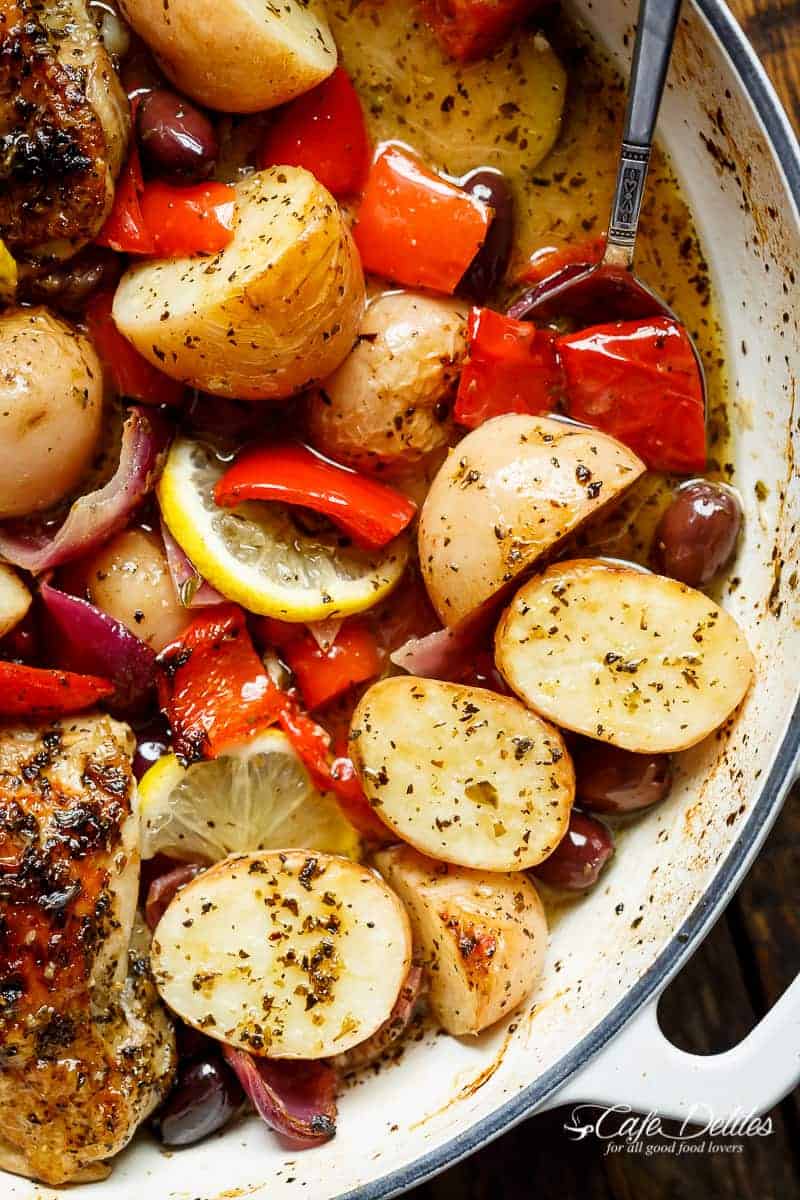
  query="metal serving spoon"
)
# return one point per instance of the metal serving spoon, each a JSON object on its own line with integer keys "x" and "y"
{"x": 610, "y": 290}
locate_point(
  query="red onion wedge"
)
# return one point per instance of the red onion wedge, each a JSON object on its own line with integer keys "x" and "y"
{"x": 93, "y": 518}
{"x": 295, "y": 1098}
{"x": 83, "y": 638}
{"x": 163, "y": 889}
{"x": 405, "y": 1006}
{"x": 325, "y": 632}
{"x": 440, "y": 655}
{"x": 192, "y": 590}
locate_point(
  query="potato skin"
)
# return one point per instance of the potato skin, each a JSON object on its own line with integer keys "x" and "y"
{"x": 51, "y": 406}
{"x": 483, "y": 935}
{"x": 623, "y": 656}
{"x": 461, "y": 773}
{"x": 509, "y": 492}
{"x": 273, "y": 313}
{"x": 15, "y": 599}
{"x": 130, "y": 580}
{"x": 387, "y": 405}
{"x": 239, "y": 63}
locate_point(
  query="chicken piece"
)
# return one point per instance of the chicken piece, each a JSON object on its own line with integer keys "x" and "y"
{"x": 64, "y": 125}
{"x": 86, "y": 1051}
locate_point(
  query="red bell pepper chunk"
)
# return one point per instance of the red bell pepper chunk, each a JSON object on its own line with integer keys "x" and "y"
{"x": 468, "y": 29}
{"x": 126, "y": 229}
{"x": 511, "y": 367}
{"x": 189, "y": 220}
{"x": 36, "y": 692}
{"x": 213, "y": 688}
{"x": 640, "y": 382}
{"x": 131, "y": 374}
{"x": 549, "y": 260}
{"x": 369, "y": 512}
{"x": 324, "y": 132}
{"x": 415, "y": 227}
{"x": 323, "y": 674}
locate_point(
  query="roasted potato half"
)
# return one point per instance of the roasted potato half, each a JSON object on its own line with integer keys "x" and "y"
{"x": 15, "y": 599}
{"x": 51, "y": 408}
{"x": 508, "y": 493}
{"x": 274, "y": 312}
{"x": 622, "y": 655}
{"x": 482, "y": 935}
{"x": 388, "y": 404}
{"x": 286, "y": 953}
{"x": 129, "y": 578}
{"x": 461, "y": 773}
{"x": 244, "y": 58}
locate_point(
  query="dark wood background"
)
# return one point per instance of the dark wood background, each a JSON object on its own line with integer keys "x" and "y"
{"x": 741, "y": 969}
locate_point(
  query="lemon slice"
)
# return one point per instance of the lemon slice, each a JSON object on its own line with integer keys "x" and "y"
{"x": 257, "y": 555}
{"x": 256, "y": 797}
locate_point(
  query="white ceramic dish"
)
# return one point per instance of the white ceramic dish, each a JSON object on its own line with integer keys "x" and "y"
{"x": 590, "y": 1031}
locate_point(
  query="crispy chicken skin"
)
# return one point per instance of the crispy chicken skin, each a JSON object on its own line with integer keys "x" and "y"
{"x": 64, "y": 125}
{"x": 86, "y": 1051}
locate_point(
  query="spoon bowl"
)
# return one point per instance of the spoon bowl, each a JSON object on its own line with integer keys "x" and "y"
{"x": 593, "y": 293}
{"x": 589, "y": 293}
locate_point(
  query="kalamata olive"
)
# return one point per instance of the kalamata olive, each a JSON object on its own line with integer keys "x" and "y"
{"x": 487, "y": 269}
{"x": 67, "y": 286}
{"x": 205, "y": 1096}
{"x": 152, "y": 743}
{"x": 177, "y": 140}
{"x": 696, "y": 536}
{"x": 579, "y": 857}
{"x": 611, "y": 780}
{"x": 163, "y": 889}
{"x": 192, "y": 1044}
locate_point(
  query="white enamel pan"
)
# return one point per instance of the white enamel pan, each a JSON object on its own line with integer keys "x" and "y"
{"x": 591, "y": 1032}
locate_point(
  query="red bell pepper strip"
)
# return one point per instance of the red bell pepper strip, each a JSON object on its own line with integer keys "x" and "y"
{"x": 159, "y": 219}
{"x": 131, "y": 374}
{"x": 321, "y": 675}
{"x": 324, "y": 132}
{"x": 415, "y": 227}
{"x": 213, "y": 688}
{"x": 36, "y": 692}
{"x": 511, "y": 367}
{"x": 469, "y": 29}
{"x": 369, "y": 512}
{"x": 125, "y": 229}
{"x": 330, "y": 773}
{"x": 640, "y": 382}
{"x": 189, "y": 220}
{"x": 549, "y": 260}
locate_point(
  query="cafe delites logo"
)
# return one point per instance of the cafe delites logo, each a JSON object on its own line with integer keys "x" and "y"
{"x": 627, "y": 1132}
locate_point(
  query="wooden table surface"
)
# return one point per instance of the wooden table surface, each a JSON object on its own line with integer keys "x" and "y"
{"x": 741, "y": 969}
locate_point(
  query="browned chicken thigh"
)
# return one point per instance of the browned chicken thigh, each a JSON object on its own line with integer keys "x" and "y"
{"x": 64, "y": 125}
{"x": 86, "y": 1051}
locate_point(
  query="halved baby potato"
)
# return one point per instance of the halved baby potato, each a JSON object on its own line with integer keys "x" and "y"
{"x": 244, "y": 58}
{"x": 482, "y": 936}
{"x": 461, "y": 773}
{"x": 288, "y": 954}
{"x": 275, "y": 311}
{"x": 507, "y": 494}
{"x": 623, "y": 656}
{"x": 387, "y": 406}
{"x": 15, "y": 599}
